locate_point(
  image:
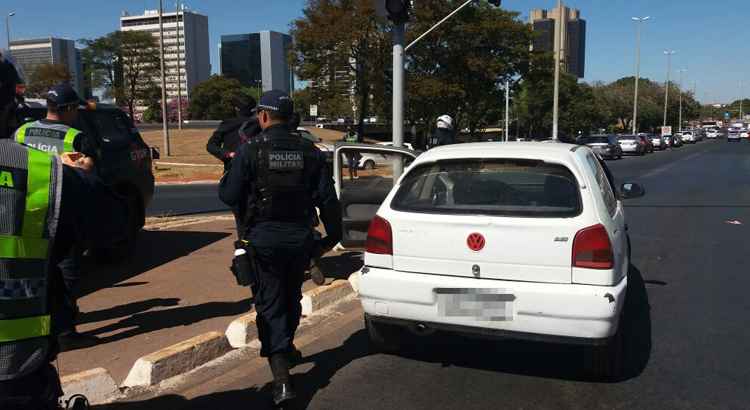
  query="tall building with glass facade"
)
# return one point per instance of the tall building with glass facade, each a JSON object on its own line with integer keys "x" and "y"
{"x": 35, "y": 52}
{"x": 573, "y": 42}
{"x": 258, "y": 60}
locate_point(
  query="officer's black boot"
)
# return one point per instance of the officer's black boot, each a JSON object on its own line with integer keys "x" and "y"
{"x": 295, "y": 357}
{"x": 282, "y": 386}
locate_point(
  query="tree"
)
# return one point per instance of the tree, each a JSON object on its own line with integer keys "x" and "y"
{"x": 340, "y": 44}
{"x": 217, "y": 98}
{"x": 126, "y": 63}
{"x": 44, "y": 77}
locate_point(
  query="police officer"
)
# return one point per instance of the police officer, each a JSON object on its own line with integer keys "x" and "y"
{"x": 282, "y": 178}
{"x": 353, "y": 158}
{"x": 229, "y": 137}
{"x": 47, "y": 206}
{"x": 55, "y": 134}
{"x": 444, "y": 132}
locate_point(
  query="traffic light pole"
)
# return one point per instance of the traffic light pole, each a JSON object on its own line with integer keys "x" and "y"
{"x": 399, "y": 34}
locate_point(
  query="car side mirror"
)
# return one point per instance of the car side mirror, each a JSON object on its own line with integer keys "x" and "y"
{"x": 155, "y": 153}
{"x": 630, "y": 190}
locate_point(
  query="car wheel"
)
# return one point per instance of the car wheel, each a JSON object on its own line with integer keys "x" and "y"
{"x": 126, "y": 247}
{"x": 605, "y": 363}
{"x": 384, "y": 337}
{"x": 369, "y": 164}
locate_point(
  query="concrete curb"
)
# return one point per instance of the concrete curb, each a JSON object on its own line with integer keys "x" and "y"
{"x": 240, "y": 332}
{"x": 96, "y": 384}
{"x": 177, "y": 359}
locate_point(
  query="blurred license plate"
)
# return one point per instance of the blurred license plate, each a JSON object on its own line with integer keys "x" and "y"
{"x": 488, "y": 305}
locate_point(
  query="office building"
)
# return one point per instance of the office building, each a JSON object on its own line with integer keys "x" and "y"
{"x": 35, "y": 52}
{"x": 573, "y": 41}
{"x": 258, "y": 60}
{"x": 194, "y": 55}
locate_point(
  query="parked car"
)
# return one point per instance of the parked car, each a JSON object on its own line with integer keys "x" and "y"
{"x": 606, "y": 146}
{"x": 688, "y": 137}
{"x": 733, "y": 135}
{"x": 745, "y": 133}
{"x": 325, "y": 147}
{"x": 373, "y": 160}
{"x": 657, "y": 142}
{"x": 677, "y": 140}
{"x": 712, "y": 133}
{"x": 632, "y": 144}
{"x": 125, "y": 163}
{"x": 448, "y": 249}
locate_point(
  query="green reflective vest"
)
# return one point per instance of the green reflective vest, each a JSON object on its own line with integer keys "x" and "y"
{"x": 351, "y": 137}
{"x": 30, "y": 182}
{"x": 52, "y": 138}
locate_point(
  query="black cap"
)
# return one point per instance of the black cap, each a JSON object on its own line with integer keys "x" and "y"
{"x": 62, "y": 95}
{"x": 276, "y": 100}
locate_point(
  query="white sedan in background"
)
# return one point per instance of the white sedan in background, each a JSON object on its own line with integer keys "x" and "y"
{"x": 526, "y": 241}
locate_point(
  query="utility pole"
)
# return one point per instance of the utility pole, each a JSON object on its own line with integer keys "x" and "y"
{"x": 679, "y": 88}
{"x": 669, "y": 54}
{"x": 7, "y": 27}
{"x": 164, "y": 118}
{"x": 178, "y": 6}
{"x": 638, "y": 21}
{"x": 742, "y": 114}
{"x": 399, "y": 34}
{"x": 507, "y": 109}
{"x": 558, "y": 58}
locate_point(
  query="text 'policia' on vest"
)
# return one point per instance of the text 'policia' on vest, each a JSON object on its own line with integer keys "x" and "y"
{"x": 30, "y": 183}
{"x": 53, "y": 138}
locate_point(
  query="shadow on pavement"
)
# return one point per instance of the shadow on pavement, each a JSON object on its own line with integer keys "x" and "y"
{"x": 125, "y": 310}
{"x": 341, "y": 266}
{"x": 146, "y": 322}
{"x": 235, "y": 399}
{"x": 155, "y": 248}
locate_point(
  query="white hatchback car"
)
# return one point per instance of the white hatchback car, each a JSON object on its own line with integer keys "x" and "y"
{"x": 511, "y": 240}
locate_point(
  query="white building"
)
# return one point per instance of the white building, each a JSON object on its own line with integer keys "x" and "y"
{"x": 32, "y": 53}
{"x": 194, "y": 54}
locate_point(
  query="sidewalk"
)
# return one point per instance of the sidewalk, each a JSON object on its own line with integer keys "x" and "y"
{"x": 177, "y": 286}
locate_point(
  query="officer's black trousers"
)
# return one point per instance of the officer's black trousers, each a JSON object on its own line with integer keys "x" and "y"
{"x": 277, "y": 294}
{"x": 37, "y": 391}
{"x": 71, "y": 268}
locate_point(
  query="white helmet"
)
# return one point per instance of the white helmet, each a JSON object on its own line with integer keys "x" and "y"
{"x": 445, "y": 121}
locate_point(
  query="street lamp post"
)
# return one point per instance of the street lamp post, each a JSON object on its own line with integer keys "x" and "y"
{"x": 7, "y": 27}
{"x": 507, "y": 109}
{"x": 638, "y": 21}
{"x": 558, "y": 58}
{"x": 679, "y": 89}
{"x": 164, "y": 117}
{"x": 178, "y": 8}
{"x": 669, "y": 54}
{"x": 742, "y": 114}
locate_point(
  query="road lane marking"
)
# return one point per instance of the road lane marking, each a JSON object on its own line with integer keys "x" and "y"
{"x": 669, "y": 166}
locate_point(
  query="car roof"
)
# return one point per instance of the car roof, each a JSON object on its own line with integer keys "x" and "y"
{"x": 553, "y": 151}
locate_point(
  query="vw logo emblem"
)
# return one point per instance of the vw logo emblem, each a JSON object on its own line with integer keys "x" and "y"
{"x": 475, "y": 242}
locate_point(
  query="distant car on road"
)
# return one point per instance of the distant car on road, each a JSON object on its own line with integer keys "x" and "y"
{"x": 677, "y": 140}
{"x": 373, "y": 160}
{"x": 632, "y": 144}
{"x": 688, "y": 137}
{"x": 712, "y": 133}
{"x": 658, "y": 142}
{"x": 606, "y": 146}
{"x": 733, "y": 135}
{"x": 647, "y": 142}
{"x": 501, "y": 240}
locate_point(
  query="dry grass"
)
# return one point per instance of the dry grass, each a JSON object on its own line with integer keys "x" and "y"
{"x": 188, "y": 146}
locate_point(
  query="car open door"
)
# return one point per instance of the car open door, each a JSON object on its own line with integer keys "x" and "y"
{"x": 364, "y": 177}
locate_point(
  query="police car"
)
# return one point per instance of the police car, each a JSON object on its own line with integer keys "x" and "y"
{"x": 508, "y": 240}
{"x": 125, "y": 162}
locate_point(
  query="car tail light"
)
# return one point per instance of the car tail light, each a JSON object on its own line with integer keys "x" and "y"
{"x": 592, "y": 248}
{"x": 379, "y": 237}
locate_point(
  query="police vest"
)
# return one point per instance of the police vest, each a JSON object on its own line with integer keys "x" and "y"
{"x": 285, "y": 167}
{"x": 30, "y": 183}
{"x": 351, "y": 138}
{"x": 52, "y": 138}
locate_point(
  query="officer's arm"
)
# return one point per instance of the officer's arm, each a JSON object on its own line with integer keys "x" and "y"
{"x": 215, "y": 145}
{"x": 330, "y": 207}
{"x": 234, "y": 184}
{"x": 86, "y": 145}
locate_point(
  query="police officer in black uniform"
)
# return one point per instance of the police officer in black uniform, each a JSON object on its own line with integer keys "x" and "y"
{"x": 48, "y": 207}
{"x": 282, "y": 178}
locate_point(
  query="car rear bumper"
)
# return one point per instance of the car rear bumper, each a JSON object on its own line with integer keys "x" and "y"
{"x": 568, "y": 313}
{"x": 630, "y": 150}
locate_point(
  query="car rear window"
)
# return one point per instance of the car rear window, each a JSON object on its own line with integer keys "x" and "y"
{"x": 503, "y": 187}
{"x": 596, "y": 140}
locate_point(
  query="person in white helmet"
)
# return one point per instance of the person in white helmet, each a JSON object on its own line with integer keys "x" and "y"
{"x": 444, "y": 133}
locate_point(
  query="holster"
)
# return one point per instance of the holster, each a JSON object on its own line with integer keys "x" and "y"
{"x": 244, "y": 266}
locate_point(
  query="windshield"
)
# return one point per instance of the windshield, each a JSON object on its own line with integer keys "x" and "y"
{"x": 596, "y": 140}
{"x": 504, "y": 187}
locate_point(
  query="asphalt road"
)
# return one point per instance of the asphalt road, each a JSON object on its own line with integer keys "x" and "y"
{"x": 687, "y": 321}
{"x": 185, "y": 199}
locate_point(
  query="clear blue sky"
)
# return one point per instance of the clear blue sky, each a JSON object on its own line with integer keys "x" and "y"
{"x": 711, "y": 37}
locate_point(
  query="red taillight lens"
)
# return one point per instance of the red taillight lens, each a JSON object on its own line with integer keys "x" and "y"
{"x": 20, "y": 90}
{"x": 379, "y": 237}
{"x": 592, "y": 249}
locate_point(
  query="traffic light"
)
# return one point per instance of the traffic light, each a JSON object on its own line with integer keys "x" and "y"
{"x": 398, "y": 10}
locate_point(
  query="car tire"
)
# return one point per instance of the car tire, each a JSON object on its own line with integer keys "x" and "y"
{"x": 605, "y": 362}
{"x": 369, "y": 164}
{"x": 384, "y": 337}
{"x": 126, "y": 247}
